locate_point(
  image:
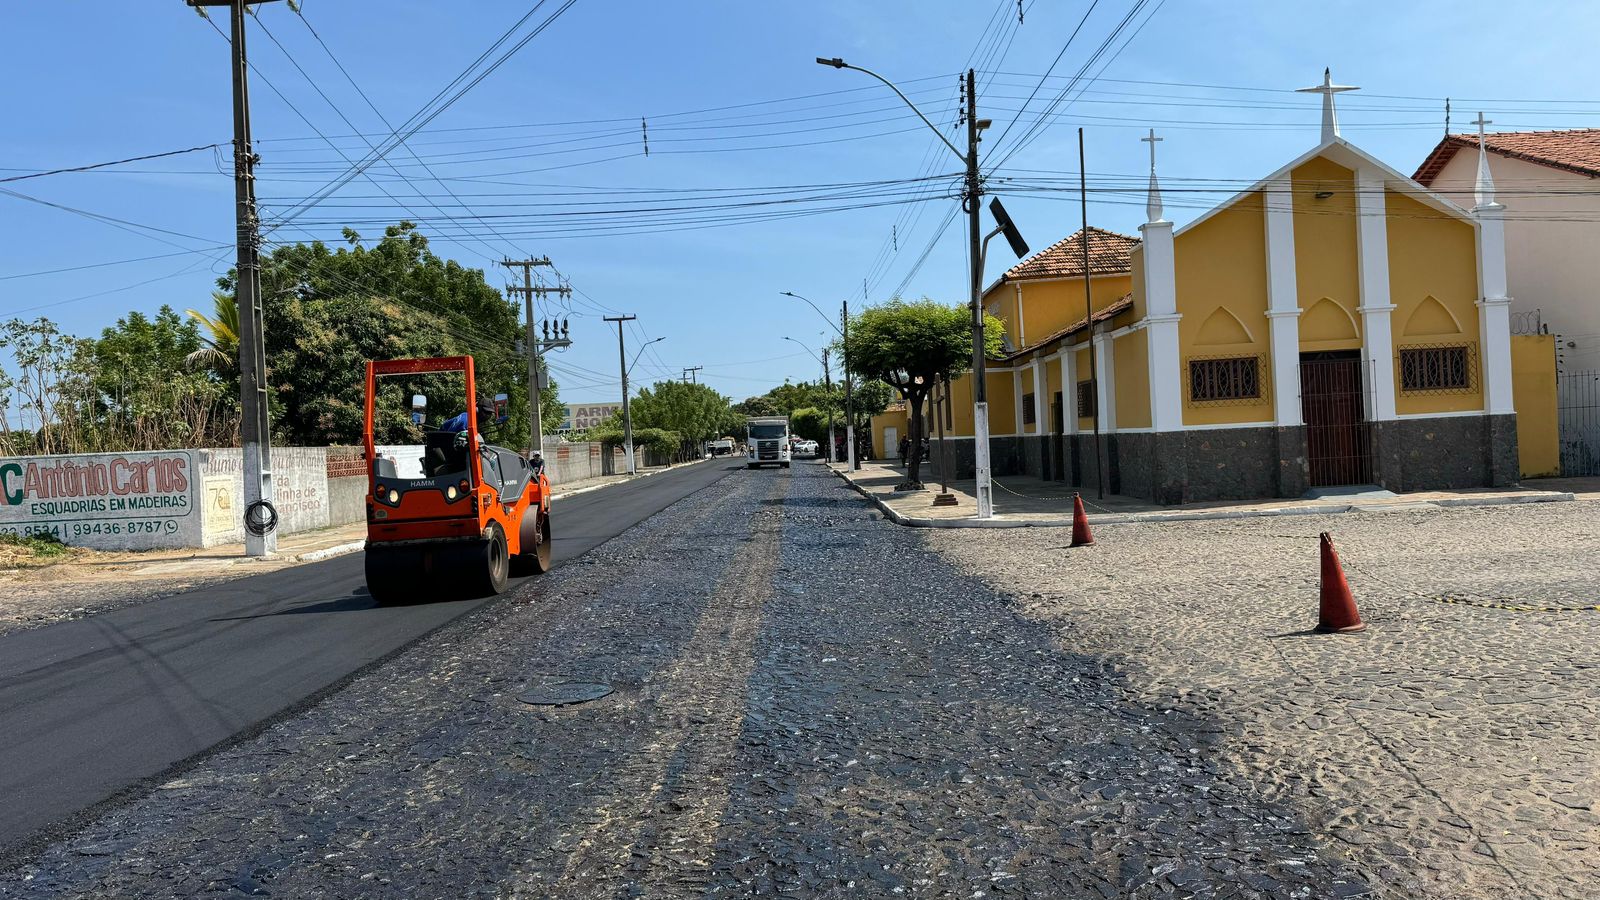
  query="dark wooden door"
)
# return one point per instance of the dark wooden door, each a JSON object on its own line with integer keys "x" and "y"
{"x": 1058, "y": 449}
{"x": 1338, "y": 442}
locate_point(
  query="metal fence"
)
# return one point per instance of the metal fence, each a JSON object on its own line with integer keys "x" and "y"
{"x": 1332, "y": 402}
{"x": 1578, "y": 422}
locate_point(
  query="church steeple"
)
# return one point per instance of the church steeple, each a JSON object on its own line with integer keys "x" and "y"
{"x": 1483, "y": 188}
{"x": 1152, "y": 205}
{"x": 1330, "y": 119}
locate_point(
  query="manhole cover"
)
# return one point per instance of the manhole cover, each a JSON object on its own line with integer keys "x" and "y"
{"x": 562, "y": 692}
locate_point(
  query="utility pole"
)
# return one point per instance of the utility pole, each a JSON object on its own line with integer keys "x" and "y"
{"x": 528, "y": 291}
{"x": 627, "y": 414}
{"x": 849, "y": 402}
{"x": 690, "y": 374}
{"x": 255, "y": 426}
{"x": 980, "y": 389}
{"x": 1088, "y": 314}
{"x": 827, "y": 384}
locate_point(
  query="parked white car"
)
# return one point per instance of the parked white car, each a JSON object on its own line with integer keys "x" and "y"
{"x": 807, "y": 449}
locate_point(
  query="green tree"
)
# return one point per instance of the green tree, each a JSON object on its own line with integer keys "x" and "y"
{"x": 328, "y": 311}
{"x": 694, "y": 411}
{"x": 910, "y": 345}
{"x": 221, "y": 336}
{"x": 810, "y": 423}
{"x": 145, "y": 396}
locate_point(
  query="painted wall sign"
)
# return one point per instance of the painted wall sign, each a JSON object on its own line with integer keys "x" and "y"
{"x": 110, "y": 501}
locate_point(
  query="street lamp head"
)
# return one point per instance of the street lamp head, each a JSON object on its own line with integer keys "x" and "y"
{"x": 984, "y": 124}
{"x": 836, "y": 62}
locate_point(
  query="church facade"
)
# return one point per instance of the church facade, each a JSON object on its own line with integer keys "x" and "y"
{"x": 1336, "y": 323}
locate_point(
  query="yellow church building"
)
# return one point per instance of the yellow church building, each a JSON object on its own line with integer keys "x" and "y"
{"x": 1335, "y": 323}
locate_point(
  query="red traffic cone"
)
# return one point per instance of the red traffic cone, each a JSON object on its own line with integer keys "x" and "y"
{"x": 1338, "y": 609}
{"x": 1080, "y": 524}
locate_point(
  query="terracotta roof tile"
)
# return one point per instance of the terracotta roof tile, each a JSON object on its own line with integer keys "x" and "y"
{"x": 1576, "y": 150}
{"x": 1108, "y": 255}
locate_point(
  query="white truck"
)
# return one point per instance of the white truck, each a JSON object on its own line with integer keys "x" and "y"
{"x": 722, "y": 446}
{"x": 767, "y": 441}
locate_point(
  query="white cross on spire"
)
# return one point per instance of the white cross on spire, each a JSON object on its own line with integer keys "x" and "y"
{"x": 1483, "y": 189}
{"x": 1330, "y": 121}
{"x": 1152, "y": 206}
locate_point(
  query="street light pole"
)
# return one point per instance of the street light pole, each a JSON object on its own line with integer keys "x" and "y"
{"x": 971, "y": 194}
{"x": 627, "y": 415}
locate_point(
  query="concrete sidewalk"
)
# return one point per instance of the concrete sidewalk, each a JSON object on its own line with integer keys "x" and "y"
{"x": 1023, "y": 501}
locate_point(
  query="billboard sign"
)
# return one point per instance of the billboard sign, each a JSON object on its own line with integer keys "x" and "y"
{"x": 109, "y": 501}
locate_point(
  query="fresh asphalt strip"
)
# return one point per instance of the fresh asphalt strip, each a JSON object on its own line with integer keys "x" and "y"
{"x": 96, "y": 710}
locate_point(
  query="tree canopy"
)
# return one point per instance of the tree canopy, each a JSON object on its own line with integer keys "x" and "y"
{"x": 328, "y": 311}
{"x": 910, "y": 345}
{"x": 696, "y": 412}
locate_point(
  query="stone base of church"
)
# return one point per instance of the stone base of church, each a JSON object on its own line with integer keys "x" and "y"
{"x": 1197, "y": 466}
{"x": 1445, "y": 453}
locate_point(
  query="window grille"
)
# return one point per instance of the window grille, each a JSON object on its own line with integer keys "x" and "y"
{"x": 1086, "y": 402}
{"x": 1438, "y": 369}
{"x": 1225, "y": 380}
{"x": 1030, "y": 416}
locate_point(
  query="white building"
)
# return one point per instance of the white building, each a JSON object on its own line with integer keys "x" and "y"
{"x": 1551, "y": 182}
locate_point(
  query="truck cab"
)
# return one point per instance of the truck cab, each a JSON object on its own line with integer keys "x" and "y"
{"x": 767, "y": 441}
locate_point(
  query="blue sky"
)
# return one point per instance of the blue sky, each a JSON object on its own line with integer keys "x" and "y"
{"x": 95, "y": 80}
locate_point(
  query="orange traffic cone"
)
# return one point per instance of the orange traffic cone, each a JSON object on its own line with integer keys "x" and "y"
{"x": 1080, "y": 524}
{"x": 1338, "y": 610}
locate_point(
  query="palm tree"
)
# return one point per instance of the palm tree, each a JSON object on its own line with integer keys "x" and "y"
{"x": 222, "y": 334}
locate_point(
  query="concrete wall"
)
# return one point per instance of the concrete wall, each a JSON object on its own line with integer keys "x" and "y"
{"x": 299, "y": 485}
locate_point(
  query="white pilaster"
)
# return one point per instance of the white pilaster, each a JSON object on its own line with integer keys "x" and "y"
{"x": 1041, "y": 409}
{"x": 1016, "y": 401}
{"x": 1283, "y": 302}
{"x": 1377, "y": 338}
{"x": 1105, "y": 390}
{"x": 1494, "y": 310}
{"x": 1161, "y": 314}
{"x": 1494, "y": 307}
{"x": 1069, "y": 392}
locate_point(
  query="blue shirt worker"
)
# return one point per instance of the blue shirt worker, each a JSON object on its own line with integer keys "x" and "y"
{"x": 459, "y": 423}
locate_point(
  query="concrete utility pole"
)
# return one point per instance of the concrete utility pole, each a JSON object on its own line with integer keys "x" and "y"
{"x": 627, "y": 414}
{"x": 849, "y": 401}
{"x": 827, "y": 383}
{"x": 980, "y": 390}
{"x": 528, "y": 291}
{"x": 691, "y": 374}
{"x": 971, "y": 196}
{"x": 255, "y": 425}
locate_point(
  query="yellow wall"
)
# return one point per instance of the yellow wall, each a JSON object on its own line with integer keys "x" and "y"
{"x": 1049, "y": 306}
{"x": 893, "y": 418}
{"x": 1221, "y": 271}
{"x": 1533, "y": 393}
{"x": 1001, "y": 302}
{"x": 1085, "y": 373}
{"x": 1002, "y": 403}
{"x": 1130, "y": 357}
{"x": 1327, "y": 266}
{"x": 961, "y": 403}
{"x": 1432, "y": 255}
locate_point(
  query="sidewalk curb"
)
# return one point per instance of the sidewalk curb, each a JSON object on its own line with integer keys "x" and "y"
{"x": 636, "y": 477}
{"x": 900, "y": 518}
{"x": 330, "y": 552}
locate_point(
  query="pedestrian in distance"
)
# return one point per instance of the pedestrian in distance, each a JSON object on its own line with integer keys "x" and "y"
{"x": 905, "y": 449}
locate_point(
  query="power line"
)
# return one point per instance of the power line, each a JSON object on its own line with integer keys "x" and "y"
{"x": 115, "y": 162}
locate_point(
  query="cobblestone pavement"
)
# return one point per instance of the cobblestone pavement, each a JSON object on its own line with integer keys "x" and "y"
{"x": 808, "y": 701}
{"x": 1452, "y": 750}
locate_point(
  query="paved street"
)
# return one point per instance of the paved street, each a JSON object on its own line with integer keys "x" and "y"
{"x": 90, "y": 707}
{"x": 808, "y": 700}
{"x": 811, "y": 701}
